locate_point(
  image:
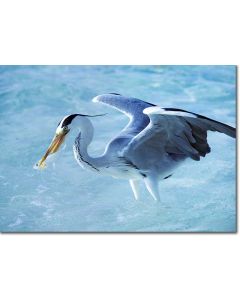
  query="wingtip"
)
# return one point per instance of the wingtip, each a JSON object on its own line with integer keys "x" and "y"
{"x": 101, "y": 97}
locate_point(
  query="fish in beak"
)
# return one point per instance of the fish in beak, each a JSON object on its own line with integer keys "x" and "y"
{"x": 53, "y": 148}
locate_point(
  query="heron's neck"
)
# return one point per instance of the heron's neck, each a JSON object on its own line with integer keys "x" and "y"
{"x": 82, "y": 141}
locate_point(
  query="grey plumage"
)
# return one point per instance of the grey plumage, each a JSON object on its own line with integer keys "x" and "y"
{"x": 157, "y": 139}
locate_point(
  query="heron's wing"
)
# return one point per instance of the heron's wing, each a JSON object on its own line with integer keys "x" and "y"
{"x": 131, "y": 107}
{"x": 174, "y": 131}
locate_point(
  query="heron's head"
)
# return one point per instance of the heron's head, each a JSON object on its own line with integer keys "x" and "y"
{"x": 63, "y": 129}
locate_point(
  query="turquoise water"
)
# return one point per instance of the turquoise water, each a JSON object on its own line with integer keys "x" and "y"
{"x": 33, "y": 99}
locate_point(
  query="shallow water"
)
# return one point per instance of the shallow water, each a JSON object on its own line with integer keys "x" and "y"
{"x": 33, "y": 99}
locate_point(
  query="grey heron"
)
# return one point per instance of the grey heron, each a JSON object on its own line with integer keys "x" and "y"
{"x": 155, "y": 141}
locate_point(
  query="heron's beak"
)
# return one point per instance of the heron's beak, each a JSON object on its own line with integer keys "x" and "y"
{"x": 54, "y": 146}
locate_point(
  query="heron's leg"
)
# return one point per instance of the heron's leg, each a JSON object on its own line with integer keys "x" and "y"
{"x": 135, "y": 188}
{"x": 152, "y": 186}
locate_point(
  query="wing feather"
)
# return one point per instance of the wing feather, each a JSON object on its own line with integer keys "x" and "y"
{"x": 132, "y": 107}
{"x": 157, "y": 131}
{"x": 175, "y": 131}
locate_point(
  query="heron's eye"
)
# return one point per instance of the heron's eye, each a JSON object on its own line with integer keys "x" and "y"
{"x": 65, "y": 129}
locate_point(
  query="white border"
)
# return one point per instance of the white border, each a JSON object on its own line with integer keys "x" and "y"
{"x": 119, "y": 266}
